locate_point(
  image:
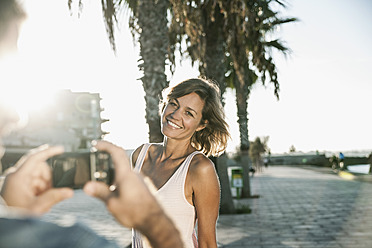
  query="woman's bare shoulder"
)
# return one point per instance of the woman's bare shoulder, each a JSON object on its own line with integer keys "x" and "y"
{"x": 201, "y": 165}
{"x": 135, "y": 154}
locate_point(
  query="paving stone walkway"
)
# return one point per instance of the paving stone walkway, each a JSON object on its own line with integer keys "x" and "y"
{"x": 301, "y": 208}
{"x": 296, "y": 208}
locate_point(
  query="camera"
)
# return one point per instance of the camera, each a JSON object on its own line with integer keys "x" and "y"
{"x": 74, "y": 169}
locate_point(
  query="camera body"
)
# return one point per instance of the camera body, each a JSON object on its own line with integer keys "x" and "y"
{"x": 74, "y": 169}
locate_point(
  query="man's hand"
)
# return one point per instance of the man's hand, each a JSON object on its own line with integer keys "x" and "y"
{"x": 29, "y": 186}
{"x": 129, "y": 199}
{"x": 131, "y": 202}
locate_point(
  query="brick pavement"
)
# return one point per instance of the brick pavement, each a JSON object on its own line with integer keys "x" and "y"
{"x": 301, "y": 208}
{"x": 297, "y": 208}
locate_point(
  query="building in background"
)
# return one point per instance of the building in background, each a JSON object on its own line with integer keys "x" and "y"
{"x": 73, "y": 120}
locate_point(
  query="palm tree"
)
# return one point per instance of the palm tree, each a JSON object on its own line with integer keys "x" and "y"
{"x": 204, "y": 41}
{"x": 153, "y": 39}
{"x": 148, "y": 23}
{"x": 250, "y": 23}
{"x": 225, "y": 37}
{"x": 233, "y": 34}
{"x": 195, "y": 30}
{"x": 251, "y": 60}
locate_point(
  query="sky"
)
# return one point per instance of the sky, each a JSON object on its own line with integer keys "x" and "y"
{"x": 325, "y": 82}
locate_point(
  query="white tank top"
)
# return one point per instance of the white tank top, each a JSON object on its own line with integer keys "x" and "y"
{"x": 172, "y": 198}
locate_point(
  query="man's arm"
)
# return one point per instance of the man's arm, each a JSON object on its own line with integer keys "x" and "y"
{"x": 131, "y": 202}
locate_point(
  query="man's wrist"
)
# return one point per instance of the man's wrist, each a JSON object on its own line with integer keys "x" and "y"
{"x": 160, "y": 230}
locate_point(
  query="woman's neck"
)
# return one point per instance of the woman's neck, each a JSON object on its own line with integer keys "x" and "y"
{"x": 174, "y": 150}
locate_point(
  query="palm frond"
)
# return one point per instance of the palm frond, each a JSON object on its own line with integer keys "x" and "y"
{"x": 109, "y": 13}
{"x": 277, "y": 44}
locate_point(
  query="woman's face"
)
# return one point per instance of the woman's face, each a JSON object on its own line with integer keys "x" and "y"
{"x": 181, "y": 117}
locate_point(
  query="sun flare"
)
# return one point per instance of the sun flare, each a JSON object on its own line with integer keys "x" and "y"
{"x": 19, "y": 91}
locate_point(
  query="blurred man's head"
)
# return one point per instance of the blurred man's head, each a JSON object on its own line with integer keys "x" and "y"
{"x": 11, "y": 17}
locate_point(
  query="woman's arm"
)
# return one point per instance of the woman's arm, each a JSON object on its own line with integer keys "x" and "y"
{"x": 206, "y": 190}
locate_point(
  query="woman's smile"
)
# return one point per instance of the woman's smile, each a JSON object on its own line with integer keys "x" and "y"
{"x": 172, "y": 124}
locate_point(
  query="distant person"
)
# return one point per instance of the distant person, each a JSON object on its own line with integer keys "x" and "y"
{"x": 193, "y": 125}
{"x": 26, "y": 192}
{"x": 252, "y": 170}
{"x": 341, "y": 158}
{"x": 334, "y": 163}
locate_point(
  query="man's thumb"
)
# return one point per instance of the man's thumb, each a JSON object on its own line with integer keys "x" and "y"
{"x": 97, "y": 189}
{"x": 51, "y": 197}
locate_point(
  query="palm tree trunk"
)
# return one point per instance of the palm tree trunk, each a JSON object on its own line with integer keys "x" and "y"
{"x": 242, "y": 93}
{"x": 227, "y": 204}
{"x": 214, "y": 68}
{"x": 154, "y": 43}
{"x": 214, "y": 65}
{"x": 246, "y": 163}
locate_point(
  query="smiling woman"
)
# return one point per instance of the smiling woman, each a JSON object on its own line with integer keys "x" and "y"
{"x": 194, "y": 128}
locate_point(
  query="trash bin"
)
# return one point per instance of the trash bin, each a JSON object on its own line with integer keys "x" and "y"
{"x": 237, "y": 180}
